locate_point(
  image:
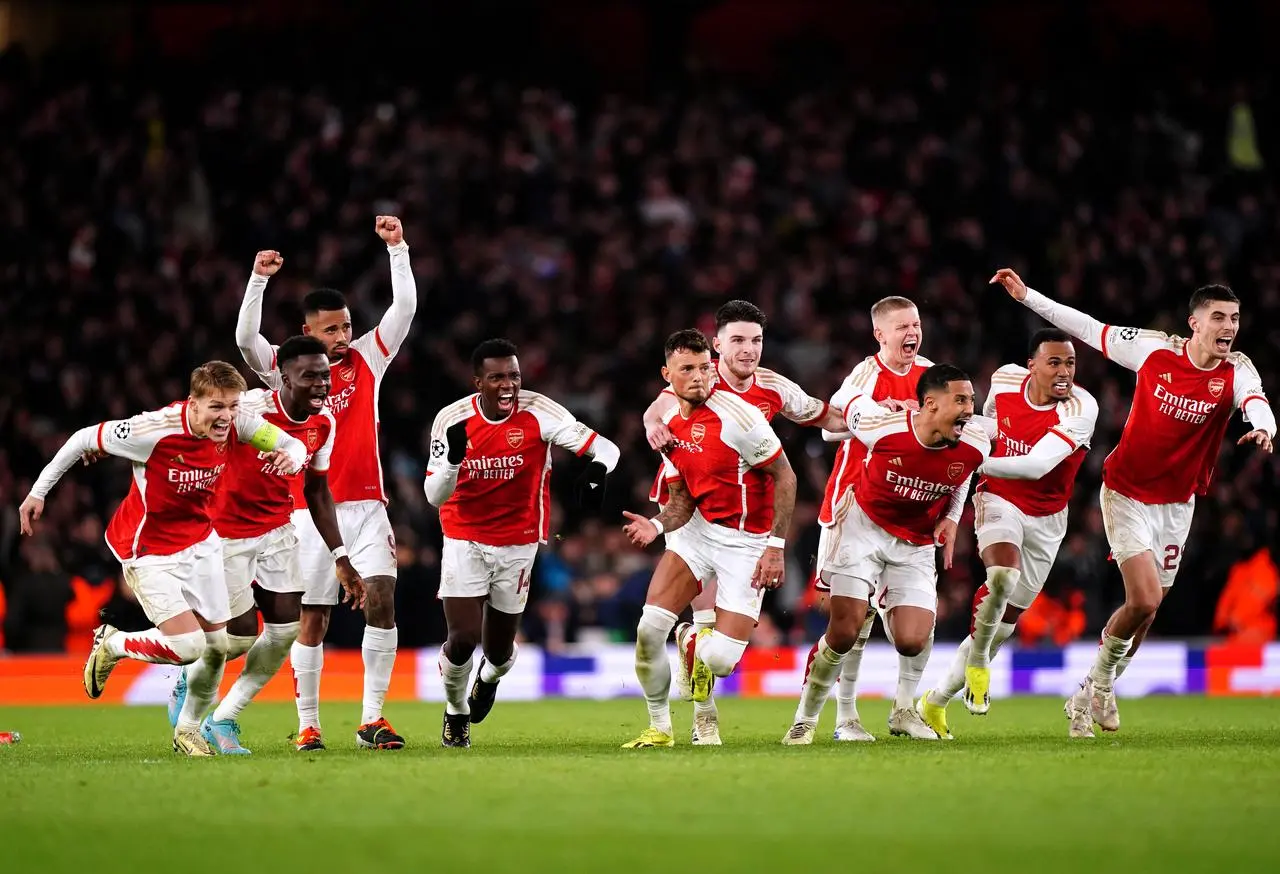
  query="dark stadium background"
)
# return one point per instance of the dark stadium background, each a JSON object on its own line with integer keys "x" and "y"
{"x": 814, "y": 156}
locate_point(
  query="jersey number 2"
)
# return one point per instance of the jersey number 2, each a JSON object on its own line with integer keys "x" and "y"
{"x": 1172, "y": 553}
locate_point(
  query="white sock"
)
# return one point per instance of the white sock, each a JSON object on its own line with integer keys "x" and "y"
{"x": 491, "y": 673}
{"x": 455, "y": 679}
{"x": 203, "y": 677}
{"x": 159, "y": 649}
{"x": 1004, "y": 631}
{"x": 653, "y": 665}
{"x": 910, "y": 670}
{"x": 820, "y": 676}
{"x": 308, "y": 662}
{"x": 704, "y": 619}
{"x": 847, "y": 690}
{"x": 988, "y": 610}
{"x": 1123, "y": 665}
{"x": 1112, "y": 650}
{"x": 951, "y": 686}
{"x": 261, "y": 664}
{"x": 720, "y": 652}
{"x": 379, "y": 651}
{"x": 239, "y": 644}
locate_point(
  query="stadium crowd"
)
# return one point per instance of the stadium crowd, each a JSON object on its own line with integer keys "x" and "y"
{"x": 585, "y": 230}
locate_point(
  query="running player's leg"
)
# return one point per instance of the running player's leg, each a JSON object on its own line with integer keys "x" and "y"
{"x": 366, "y": 530}
{"x": 466, "y": 569}
{"x": 319, "y": 593}
{"x": 508, "y": 596}
{"x": 672, "y": 588}
{"x": 279, "y": 596}
{"x": 706, "y": 717}
{"x": 848, "y": 722}
{"x": 908, "y": 599}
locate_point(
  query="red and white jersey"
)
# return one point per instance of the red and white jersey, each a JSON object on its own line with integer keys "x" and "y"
{"x": 1179, "y": 416}
{"x": 170, "y": 502}
{"x": 772, "y": 394}
{"x": 252, "y": 499}
{"x": 503, "y": 497}
{"x": 718, "y": 454}
{"x": 1019, "y": 426}
{"x": 874, "y": 379}
{"x": 356, "y": 473}
{"x": 906, "y": 487}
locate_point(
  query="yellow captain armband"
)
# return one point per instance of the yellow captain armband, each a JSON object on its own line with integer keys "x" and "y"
{"x": 266, "y": 438}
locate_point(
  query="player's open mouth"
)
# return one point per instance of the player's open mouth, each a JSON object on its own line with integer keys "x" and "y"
{"x": 316, "y": 403}
{"x": 958, "y": 428}
{"x": 506, "y": 401}
{"x": 1224, "y": 344}
{"x": 909, "y": 347}
{"x": 219, "y": 430}
{"x": 1062, "y": 385}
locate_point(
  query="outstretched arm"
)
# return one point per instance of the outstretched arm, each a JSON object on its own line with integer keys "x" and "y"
{"x": 1050, "y": 451}
{"x": 1077, "y": 324}
{"x": 254, "y": 348}
{"x": 395, "y": 323}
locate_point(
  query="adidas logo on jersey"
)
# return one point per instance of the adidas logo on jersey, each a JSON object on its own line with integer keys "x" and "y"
{"x": 1005, "y": 421}
{"x": 896, "y": 461}
{"x": 1167, "y": 376}
{"x": 178, "y": 459}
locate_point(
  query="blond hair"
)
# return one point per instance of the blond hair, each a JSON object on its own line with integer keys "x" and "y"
{"x": 891, "y": 304}
{"x": 213, "y": 376}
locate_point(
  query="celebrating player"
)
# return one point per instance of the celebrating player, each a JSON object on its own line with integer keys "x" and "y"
{"x": 355, "y": 480}
{"x": 163, "y": 536}
{"x": 489, "y": 474}
{"x": 889, "y": 378}
{"x": 259, "y": 543}
{"x": 732, "y": 493}
{"x": 908, "y": 499}
{"x": 1187, "y": 390}
{"x": 1043, "y": 424}
{"x": 739, "y": 341}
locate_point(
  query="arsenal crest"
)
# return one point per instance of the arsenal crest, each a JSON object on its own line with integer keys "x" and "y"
{"x": 347, "y": 374}
{"x": 697, "y": 432}
{"x": 764, "y": 409}
{"x": 955, "y": 470}
{"x": 515, "y": 437}
{"x": 1216, "y": 385}
{"x": 313, "y": 439}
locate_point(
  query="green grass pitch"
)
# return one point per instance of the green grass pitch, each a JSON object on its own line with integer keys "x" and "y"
{"x": 1189, "y": 784}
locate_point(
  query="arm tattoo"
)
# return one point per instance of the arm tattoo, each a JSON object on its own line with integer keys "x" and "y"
{"x": 784, "y": 494}
{"x": 679, "y": 509}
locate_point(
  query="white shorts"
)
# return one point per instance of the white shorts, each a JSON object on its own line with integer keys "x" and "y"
{"x": 864, "y": 561}
{"x": 371, "y": 546}
{"x": 477, "y": 570}
{"x": 1134, "y": 528}
{"x": 1037, "y": 538}
{"x": 270, "y": 559}
{"x": 193, "y": 579}
{"x": 726, "y": 555}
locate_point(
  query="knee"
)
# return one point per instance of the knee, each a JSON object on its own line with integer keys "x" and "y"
{"x": 911, "y": 644}
{"x": 461, "y": 644}
{"x": 721, "y": 654}
{"x": 187, "y": 647}
{"x": 216, "y": 645}
{"x": 1145, "y": 603}
{"x": 499, "y": 654}
{"x": 842, "y": 640}
{"x": 380, "y": 603}
{"x": 313, "y": 626}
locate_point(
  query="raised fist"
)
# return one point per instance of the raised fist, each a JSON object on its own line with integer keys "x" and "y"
{"x": 389, "y": 228}
{"x": 267, "y": 262}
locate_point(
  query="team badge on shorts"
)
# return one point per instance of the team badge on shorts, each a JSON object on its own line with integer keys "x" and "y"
{"x": 1216, "y": 386}
{"x": 955, "y": 470}
{"x": 515, "y": 437}
{"x": 697, "y": 432}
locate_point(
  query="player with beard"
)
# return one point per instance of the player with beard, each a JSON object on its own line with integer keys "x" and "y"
{"x": 731, "y": 493}
{"x": 908, "y": 501}
{"x": 1186, "y": 393}
{"x": 739, "y": 342}
{"x": 358, "y": 368}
